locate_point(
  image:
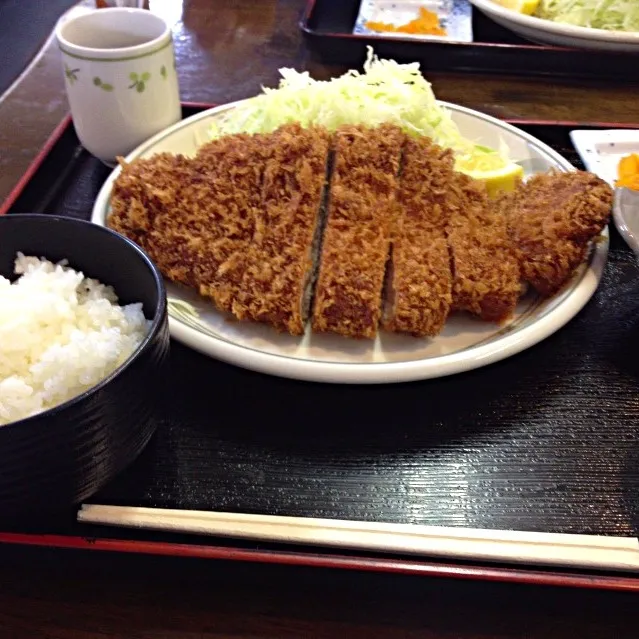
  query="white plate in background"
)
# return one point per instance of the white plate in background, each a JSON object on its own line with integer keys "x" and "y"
{"x": 555, "y": 33}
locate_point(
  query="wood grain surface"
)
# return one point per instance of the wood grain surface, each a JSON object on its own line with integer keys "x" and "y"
{"x": 228, "y": 49}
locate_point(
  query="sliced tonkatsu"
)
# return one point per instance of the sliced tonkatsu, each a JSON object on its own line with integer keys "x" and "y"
{"x": 348, "y": 294}
{"x": 360, "y": 229}
{"x": 418, "y": 293}
{"x": 233, "y": 167}
{"x": 280, "y": 264}
{"x": 151, "y": 205}
{"x": 552, "y": 218}
{"x": 487, "y": 278}
{"x": 144, "y": 189}
{"x": 194, "y": 216}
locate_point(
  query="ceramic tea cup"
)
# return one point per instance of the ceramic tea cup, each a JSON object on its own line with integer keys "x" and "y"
{"x": 121, "y": 79}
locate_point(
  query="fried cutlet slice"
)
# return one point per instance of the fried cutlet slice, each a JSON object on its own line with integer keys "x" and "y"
{"x": 487, "y": 278}
{"x": 144, "y": 188}
{"x": 418, "y": 293}
{"x": 348, "y": 295}
{"x": 552, "y": 218}
{"x": 210, "y": 218}
{"x": 195, "y": 216}
{"x": 150, "y": 205}
{"x": 234, "y": 166}
{"x": 279, "y": 266}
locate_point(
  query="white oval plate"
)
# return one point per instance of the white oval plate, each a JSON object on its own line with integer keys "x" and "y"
{"x": 557, "y": 34}
{"x": 465, "y": 343}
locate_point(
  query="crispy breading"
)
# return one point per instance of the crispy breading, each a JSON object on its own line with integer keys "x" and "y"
{"x": 419, "y": 279}
{"x": 143, "y": 189}
{"x": 234, "y": 166}
{"x": 195, "y": 216}
{"x": 280, "y": 263}
{"x": 348, "y": 295}
{"x": 242, "y": 223}
{"x": 552, "y": 218}
{"x": 185, "y": 234}
{"x": 487, "y": 279}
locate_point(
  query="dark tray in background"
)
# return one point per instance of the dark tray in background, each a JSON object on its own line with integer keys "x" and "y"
{"x": 328, "y": 27}
{"x": 543, "y": 441}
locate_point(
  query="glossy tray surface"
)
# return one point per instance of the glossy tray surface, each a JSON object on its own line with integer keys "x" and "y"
{"x": 544, "y": 441}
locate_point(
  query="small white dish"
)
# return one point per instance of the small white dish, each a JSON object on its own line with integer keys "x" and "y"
{"x": 601, "y": 151}
{"x": 557, "y": 34}
{"x": 454, "y": 15}
{"x": 464, "y": 344}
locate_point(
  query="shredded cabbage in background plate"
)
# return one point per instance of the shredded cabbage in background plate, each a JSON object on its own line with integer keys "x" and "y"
{"x": 612, "y": 15}
{"x": 385, "y": 92}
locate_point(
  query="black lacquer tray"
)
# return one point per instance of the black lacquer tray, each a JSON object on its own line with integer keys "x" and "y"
{"x": 545, "y": 441}
{"x": 328, "y": 27}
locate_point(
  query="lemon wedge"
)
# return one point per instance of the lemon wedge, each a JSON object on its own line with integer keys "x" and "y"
{"x": 498, "y": 173}
{"x": 527, "y": 7}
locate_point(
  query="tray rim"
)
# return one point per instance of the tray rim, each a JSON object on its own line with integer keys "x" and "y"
{"x": 427, "y": 567}
{"x": 363, "y": 39}
{"x": 390, "y": 565}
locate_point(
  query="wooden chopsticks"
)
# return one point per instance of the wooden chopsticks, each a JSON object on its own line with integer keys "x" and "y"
{"x": 583, "y": 551}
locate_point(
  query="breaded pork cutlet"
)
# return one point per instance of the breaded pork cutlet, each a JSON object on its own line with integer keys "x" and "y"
{"x": 149, "y": 205}
{"x": 348, "y": 295}
{"x": 200, "y": 212}
{"x": 552, "y": 218}
{"x": 418, "y": 293}
{"x": 487, "y": 278}
{"x": 234, "y": 168}
{"x": 280, "y": 263}
{"x": 144, "y": 188}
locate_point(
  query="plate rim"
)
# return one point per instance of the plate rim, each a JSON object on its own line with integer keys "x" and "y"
{"x": 381, "y": 372}
{"x": 557, "y": 28}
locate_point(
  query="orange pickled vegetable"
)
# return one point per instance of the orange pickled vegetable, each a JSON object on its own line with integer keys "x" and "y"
{"x": 628, "y": 172}
{"x": 427, "y": 23}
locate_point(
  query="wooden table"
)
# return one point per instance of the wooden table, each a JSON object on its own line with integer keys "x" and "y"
{"x": 226, "y": 50}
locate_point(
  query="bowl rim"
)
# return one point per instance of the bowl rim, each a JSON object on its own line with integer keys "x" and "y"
{"x": 156, "y": 323}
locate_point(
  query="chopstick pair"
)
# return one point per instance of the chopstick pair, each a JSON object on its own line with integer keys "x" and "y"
{"x": 568, "y": 550}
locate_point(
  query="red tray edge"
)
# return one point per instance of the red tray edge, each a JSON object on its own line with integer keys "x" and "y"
{"x": 343, "y": 562}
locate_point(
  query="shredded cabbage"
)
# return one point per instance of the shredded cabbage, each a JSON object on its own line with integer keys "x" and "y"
{"x": 612, "y": 15}
{"x": 385, "y": 92}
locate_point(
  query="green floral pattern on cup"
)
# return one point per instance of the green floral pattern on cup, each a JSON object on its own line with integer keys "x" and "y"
{"x": 105, "y": 86}
{"x": 139, "y": 81}
{"x": 71, "y": 74}
{"x": 163, "y": 72}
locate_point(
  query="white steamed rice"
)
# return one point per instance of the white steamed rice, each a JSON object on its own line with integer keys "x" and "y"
{"x": 60, "y": 334}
